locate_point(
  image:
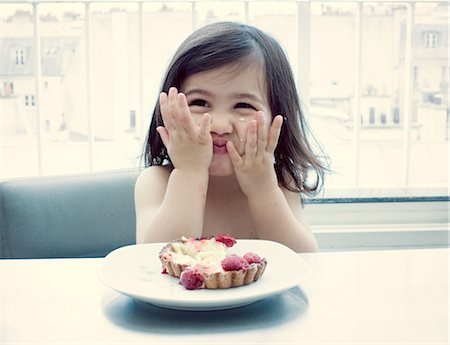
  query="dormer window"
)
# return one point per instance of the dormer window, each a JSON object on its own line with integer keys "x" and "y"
{"x": 20, "y": 56}
{"x": 51, "y": 51}
{"x": 430, "y": 39}
{"x": 29, "y": 101}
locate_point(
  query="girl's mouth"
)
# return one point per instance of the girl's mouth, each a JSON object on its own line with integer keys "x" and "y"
{"x": 220, "y": 147}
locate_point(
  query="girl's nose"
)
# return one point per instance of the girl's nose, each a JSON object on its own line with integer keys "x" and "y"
{"x": 220, "y": 123}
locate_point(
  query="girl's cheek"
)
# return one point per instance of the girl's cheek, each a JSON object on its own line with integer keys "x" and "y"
{"x": 197, "y": 119}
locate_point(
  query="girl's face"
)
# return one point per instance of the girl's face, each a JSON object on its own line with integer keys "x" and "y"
{"x": 231, "y": 95}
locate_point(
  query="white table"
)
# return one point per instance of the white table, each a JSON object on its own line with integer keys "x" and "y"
{"x": 383, "y": 297}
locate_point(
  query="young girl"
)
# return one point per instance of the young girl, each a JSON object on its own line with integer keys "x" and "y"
{"x": 227, "y": 147}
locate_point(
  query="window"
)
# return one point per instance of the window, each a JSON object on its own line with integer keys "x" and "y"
{"x": 372, "y": 115}
{"x": 132, "y": 120}
{"x": 7, "y": 89}
{"x": 51, "y": 51}
{"x": 19, "y": 56}
{"x": 396, "y": 115}
{"x": 104, "y": 80}
{"x": 430, "y": 39}
{"x": 29, "y": 101}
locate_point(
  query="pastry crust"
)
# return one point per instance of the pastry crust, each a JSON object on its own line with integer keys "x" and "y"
{"x": 185, "y": 253}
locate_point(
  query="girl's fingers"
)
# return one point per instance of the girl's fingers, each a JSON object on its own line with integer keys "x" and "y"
{"x": 164, "y": 107}
{"x": 172, "y": 107}
{"x": 184, "y": 114}
{"x": 175, "y": 112}
{"x": 251, "y": 142}
{"x": 164, "y": 134}
{"x": 261, "y": 132}
{"x": 205, "y": 125}
{"x": 234, "y": 155}
{"x": 274, "y": 134}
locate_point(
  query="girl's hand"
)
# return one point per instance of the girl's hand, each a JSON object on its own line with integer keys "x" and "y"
{"x": 188, "y": 144}
{"x": 254, "y": 169}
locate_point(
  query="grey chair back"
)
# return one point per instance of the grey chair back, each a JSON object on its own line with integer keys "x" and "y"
{"x": 72, "y": 216}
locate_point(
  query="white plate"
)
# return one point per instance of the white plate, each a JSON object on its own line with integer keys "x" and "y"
{"x": 135, "y": 271}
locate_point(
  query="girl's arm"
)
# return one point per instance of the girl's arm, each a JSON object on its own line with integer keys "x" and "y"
{"x": 169, "y": 204}
{"x": 276, "y": 212}
{"x": 278, "y": 216}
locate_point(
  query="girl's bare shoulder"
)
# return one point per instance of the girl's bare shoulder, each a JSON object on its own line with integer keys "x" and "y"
{"x": 154, "y": 177}
{"x": 156, "y": 171}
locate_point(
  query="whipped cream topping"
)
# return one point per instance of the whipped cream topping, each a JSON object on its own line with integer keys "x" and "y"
{"x": 205, "y": 254}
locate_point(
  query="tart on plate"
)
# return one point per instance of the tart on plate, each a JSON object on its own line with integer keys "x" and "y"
{"x": 206, "y": 263}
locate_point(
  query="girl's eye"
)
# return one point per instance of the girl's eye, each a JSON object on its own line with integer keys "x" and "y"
{"x": 198, "y": 103}
{"x": 245, "y": 106}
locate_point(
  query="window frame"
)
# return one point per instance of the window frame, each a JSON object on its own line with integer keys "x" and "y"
{"x": 376, "y": 223}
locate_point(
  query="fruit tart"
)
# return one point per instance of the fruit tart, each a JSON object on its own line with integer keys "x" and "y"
{"x": 206, "y": 263}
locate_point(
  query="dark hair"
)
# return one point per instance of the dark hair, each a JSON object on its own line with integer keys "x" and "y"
{"x": 222, "y": 43}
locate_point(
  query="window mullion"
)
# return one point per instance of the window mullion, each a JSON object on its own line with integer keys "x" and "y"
{"x": 90, "y": 126}
{"x": 357, "y": 92}
{"x": 304, "y": 51}
{"x": 194, "y": 15}
{"x": 37, "y": 83}
{"x": 141, "y": 71}
{"x": 407, "y": 96}
{"x": 246, "y": 12}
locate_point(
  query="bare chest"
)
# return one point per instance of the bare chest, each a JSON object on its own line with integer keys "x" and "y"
{"x": 232, "y": 218}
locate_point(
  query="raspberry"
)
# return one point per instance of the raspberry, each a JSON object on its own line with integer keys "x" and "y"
{"x": 225, "y": 239}
{"x": 192, "y": 279}
{"x": 234, "y": 263}
{"x": 252, "y": 258}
